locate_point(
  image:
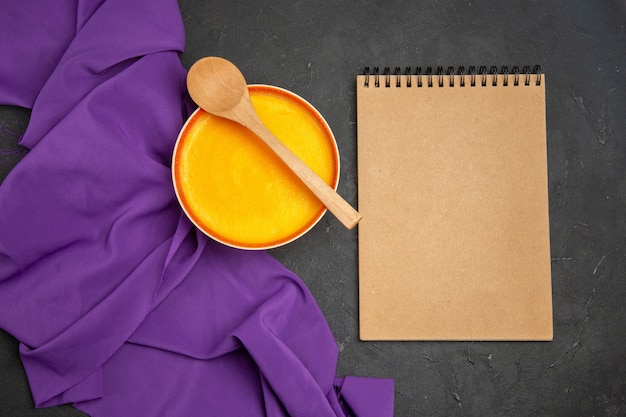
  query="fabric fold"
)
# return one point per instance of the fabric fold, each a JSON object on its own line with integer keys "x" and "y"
{"x": 120, "y": 305}
{"x": 365, "y": 397}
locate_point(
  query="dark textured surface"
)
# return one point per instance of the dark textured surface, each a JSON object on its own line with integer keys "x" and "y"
{"x": 315, "y": 48}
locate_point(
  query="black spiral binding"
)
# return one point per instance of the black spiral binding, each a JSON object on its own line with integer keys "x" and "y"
{"x": 430, "y": 79}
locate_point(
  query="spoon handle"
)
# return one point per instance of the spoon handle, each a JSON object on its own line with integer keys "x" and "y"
{"x": 343, "y": 211}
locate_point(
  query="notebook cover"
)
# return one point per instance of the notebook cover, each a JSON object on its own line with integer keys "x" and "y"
{"x": 454, "y": 239}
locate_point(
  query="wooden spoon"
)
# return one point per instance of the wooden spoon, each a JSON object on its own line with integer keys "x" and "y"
{"x": 219, "y": 88}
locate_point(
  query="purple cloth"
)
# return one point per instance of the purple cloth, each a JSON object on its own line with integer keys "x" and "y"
{"x": 121, "y": 307}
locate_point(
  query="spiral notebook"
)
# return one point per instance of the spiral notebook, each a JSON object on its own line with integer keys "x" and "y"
{"x": 452, "y": 185}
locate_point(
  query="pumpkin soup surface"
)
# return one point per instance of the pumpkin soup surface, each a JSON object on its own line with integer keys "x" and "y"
{"x": 233, "y": 187}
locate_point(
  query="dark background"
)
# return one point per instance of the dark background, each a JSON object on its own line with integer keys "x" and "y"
{"x": 315, "y": 48}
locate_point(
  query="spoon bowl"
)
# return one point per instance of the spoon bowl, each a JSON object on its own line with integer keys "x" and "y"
{"x": 217, "y": 86}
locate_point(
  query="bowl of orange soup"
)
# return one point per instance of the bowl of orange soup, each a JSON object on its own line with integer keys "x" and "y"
{"x": 232, "y": 186}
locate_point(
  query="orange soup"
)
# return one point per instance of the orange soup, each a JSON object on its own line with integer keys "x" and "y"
{"x": 236, "y": 190}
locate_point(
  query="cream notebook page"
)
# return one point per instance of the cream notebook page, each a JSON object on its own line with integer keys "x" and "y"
{"x": 452, "y": 185}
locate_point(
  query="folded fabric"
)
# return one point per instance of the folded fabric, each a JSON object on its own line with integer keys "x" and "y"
{"x": 121, "y": 307}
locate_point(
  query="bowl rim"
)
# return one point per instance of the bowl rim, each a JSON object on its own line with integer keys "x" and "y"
{"x": 279, "y": 243}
